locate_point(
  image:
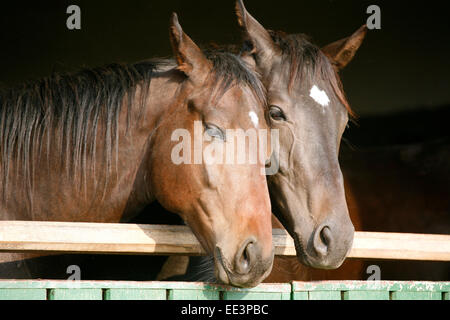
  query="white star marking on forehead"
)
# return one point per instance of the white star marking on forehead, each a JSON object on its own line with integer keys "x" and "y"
{"x": 254, "y": 118}
{"x": 319, "y": 96}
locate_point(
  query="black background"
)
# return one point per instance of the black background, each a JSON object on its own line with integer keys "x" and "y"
{"x": 404, "y": 66}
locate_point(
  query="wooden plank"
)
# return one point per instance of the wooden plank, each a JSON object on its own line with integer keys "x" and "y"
{"x": 151, "y": 290}
{"x": 324, "y": 295}
{"x": 416, "y": 295}
{"x": 366, "y": 295}
{"x": 109, "y": 238}
{"x": 372, "y": 290}
{"x": 344, "y": 290}
{"x": 256, "y": 295}
{"x": 242, "y": 295}
{"x": 358, "y": 285}
{"x": 193, "y": 294}
{"x": 300, "y": 295}
{"x": 264, "y": 291}
{"x": 75, "y": 294}
{"x": 401, "y": 246}
{"x": 135, "y": 294}
{"x": 23, "y": 294}
{"x": 85, "y": 284}
{"x": 193, "y": 291}
{"x": 286, "y": 296}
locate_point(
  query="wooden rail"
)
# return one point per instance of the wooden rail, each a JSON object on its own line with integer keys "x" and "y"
{"x": 121, "y": 238}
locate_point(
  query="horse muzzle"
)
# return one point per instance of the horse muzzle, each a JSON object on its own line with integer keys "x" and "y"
{"x": 327, "y": 246}
{"x": 247, "y": 268}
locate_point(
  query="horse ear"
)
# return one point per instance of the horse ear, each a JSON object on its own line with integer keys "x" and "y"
{"x": 257, "y": 40}
{"x": 341, "y": 52}
{"x": 190, "y": 59}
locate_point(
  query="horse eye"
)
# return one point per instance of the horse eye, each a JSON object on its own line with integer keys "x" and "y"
{"x": 214, "y": 131}
{"x": 276, "y": 113}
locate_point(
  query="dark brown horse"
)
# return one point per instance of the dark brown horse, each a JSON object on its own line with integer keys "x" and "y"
{"x": 308, "y": 107}
{"x": 291, "y": 68}
{"x": 97, "y": 146}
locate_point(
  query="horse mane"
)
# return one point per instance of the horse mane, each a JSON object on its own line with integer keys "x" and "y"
{"x": 229, "y": 70}
{"x": 68, "y": 110}
{"x": 305, "y": 59}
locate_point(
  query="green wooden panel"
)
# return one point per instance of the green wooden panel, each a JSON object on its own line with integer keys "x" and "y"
{"x": 370, "y": 286}
{"x": 135, "y": 294}
{"x": 286, "y": 295}
{"x": 75, "y": 294}
{"x": 152, "y": 290}
{"x": 264, "y": 291}
{"x": 416, "y": 295}
{"x": 193, "y": 294}
{"x": 300, "y": 295}
{"x": 366, "y": 295}
{"x": 23, "y": 294}
{"x": 248, "y": 295}
{"x": 325, "y": 295}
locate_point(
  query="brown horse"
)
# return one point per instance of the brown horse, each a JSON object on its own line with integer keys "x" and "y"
{"x": 97, "y": 146}
{"x": 308, "y": 169}
{"x": 408, "y": 202}
{"x": 308, "y": 107}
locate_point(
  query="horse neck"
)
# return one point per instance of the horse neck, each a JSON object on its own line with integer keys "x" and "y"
{"x": 96, "y": 193}
{"x": 162, "y": 96}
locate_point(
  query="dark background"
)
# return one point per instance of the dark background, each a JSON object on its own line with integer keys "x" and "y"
{"x": 404, "y": 66}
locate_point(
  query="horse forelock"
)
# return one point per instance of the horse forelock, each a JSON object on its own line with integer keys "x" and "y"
{"x": 305, "y": 60}
{"x": 230, "y": 70}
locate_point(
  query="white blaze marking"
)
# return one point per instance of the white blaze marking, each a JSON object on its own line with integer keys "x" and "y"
{"x": 253, "y": 117}
{"x": 319, "y": 96}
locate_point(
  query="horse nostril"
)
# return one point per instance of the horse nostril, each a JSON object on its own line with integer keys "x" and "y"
{"x": 325, "y": 235}
{"x": 245, "y": 257}
{"x": 322, "y": 240}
